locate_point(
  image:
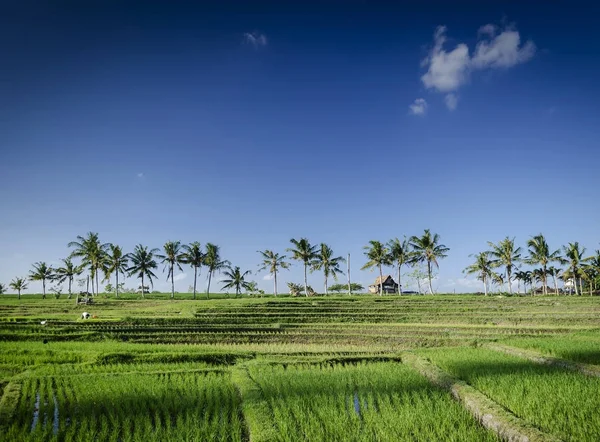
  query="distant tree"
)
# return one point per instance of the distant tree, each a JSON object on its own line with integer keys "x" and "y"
{"x": 378, "y": 256}
{"x": 212, "y": 260}
{"x": 193, "y": 256}
{"x": 522, "y": 276}
{"x": 235, "y": 279}
{"x": 540, "y": 254}
{"x": 273, "y": 262}
{"x": 324, "y": 260}
{"x": 401, "y": 254}
{"x": 594, "y": 263}
{"x": 427, "y": 249}
{"x": 142, "y": 263}
{"x": 18, "y": 284}
{"x": 498, "y": 279}
{"x": 41, "y": 272}
{"x": 295, "y": 289}
{"x": 252, "y": 287}
{"x": 172, "y": 257}
{"x": 108, "y": 288}
{"x": 573, "y": 258}
{"x": 337, "y": 288}
{"x": 115, "y": 261}
{"x": 538, "y": 275}
{"x": 505, "y": 254}
{"x": 482, "y": 267}
{"x": 66, "y": 272}
{"x": 57, "y": 290}
{"x": 304, "y": 252}
{"x": 2, "y": 289}
{"x": 554, "y": 271}
{"x": 92, "y": 254}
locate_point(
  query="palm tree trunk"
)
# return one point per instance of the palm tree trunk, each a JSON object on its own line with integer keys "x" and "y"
{"x": 305, "y": 282}
{"x": 43, "y": 289}
{"x": 581, "y": 286}
{"x": 326, "y": 285}
{"x": 97, "y": 285}
{"x": 208, "y": 288}
{"x": 275, "y": 282}
{"x": 90, "y": 276}
{"x": 143, "y": 295}
{"x": 117, "y": 283}
{"x": 19, "y": 293}
{"x": 195, "y": 278}
{"x": 484, "y": 286}
{"x": 172, "y": 284}
{"x": 380, "y": 281}
{"x": 429, "y": 277}
{"x": 70, "y": 282}
{"x": 399, "y": 289}
{"x": 555, "y": 284}
{"x": 508, "y": 279}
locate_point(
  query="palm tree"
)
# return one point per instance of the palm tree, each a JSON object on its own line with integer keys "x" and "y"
{"x": 483, "y": 268}
{"x": 236, "y": 279}
{"x": 142, "y": 264}
{"x": 18, "y": 284}
{"x": 192, "y": 255}
{"x": 401, "y": 254}
{"x": 212, "y": 260}
{"x": 540, "y": 276}
{"x": 594, "y": 263}
{"x": 330, "y": 265}
{"x": 41, "y": 272}
{"x": 539, "y": 253}
{"x": 171, "y": 258}
{"x": 427, "y": 249}
{"x": 272, "y": 262}
{"x": 573, "y": 257}
{"x": 378, "y": 256}
{"x": 554, "y": 271}
{"x": 92, "y": 253}
{"x": 115, "y": 262}
{"x": 67, "y": 272}
{"x": 305, "y": 253}
{"x": 2, "y": 288}
{"x": 498, "y": 279}
{"x": 506, "y": 255}
{"x": 524, "y": 276}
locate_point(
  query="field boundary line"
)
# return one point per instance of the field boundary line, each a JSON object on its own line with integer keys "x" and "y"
{"x": 258, "y": 420}
{"x": 489, "y": 413}
{"x": 541, "y": 358}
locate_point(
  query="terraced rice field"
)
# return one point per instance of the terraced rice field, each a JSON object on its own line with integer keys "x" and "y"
{"x": 298, "y": 369}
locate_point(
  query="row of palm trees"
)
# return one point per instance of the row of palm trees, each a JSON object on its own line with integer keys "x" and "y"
{"x": 506, "y": 255}
{"x": 97, "y": 257}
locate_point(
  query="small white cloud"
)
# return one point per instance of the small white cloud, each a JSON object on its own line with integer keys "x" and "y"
{"x": 268, "y": 277}
{"x": 256, "y": 39}
{"x": 179, "y": 277}
{"x": 140, "y": 175}
{"x": 419, "y": 107}
{"x": 447, "y": 71}
{"x": 451, "y": 101}
{"x": 488, "y": 29}
{"x": 503, "y": 51}
{"x": 465, "y": 283}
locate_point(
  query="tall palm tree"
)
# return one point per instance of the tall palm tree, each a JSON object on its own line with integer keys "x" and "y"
{"x": 192, "y": 255}
{"x": 330, "y": 265}
{"x": 540, "y": 254}
{"x": 573, "y": 257}
{"x": 401, "y": 254}
{"x": 483, "y": 268}
{"x": 115, "y": 262}
{"x": 554, "y": 271}
{"x": 92, "y": 253}
{"x": 236, "y": 279}
{"x": 273, "y": 262}
{"x": 18, "y": 284}
{"x": 304, "y": 252}
{"x": 41, "y": 272}
{"x": 212, "y": 260}
{"x": 142, "y": 264}
{"x": 171, "y": 258}
{"x": 427, "y": 248}
{"x": 378, "y": 256}
{"x": 67, "y": 272}
{"x": 505, "y": 254}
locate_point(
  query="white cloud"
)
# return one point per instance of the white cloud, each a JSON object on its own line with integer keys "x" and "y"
{"x": 268, "y": 277}
{"x": 419, "y": 107}
{"x": 140, "y": 175}
{"x": 451, "y": 101}
{"x": 256, "y": 39}
{"x": 179, "y": 277}
{"x": 503, "y": 51}
{"x": 465, "y": 283}
{"x": 447, "y": 71}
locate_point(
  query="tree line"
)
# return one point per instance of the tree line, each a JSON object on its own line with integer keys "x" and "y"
{"x": 570, "y": 266}
{"x": 109, "y": 259}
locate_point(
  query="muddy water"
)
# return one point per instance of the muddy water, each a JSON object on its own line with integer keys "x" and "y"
{"x": 36, "y": 412}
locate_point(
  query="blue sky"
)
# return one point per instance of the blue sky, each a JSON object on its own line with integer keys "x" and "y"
{"x": 247, "y": 124}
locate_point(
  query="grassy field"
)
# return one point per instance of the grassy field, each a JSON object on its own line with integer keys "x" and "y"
{"x": 292, "y": 368}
